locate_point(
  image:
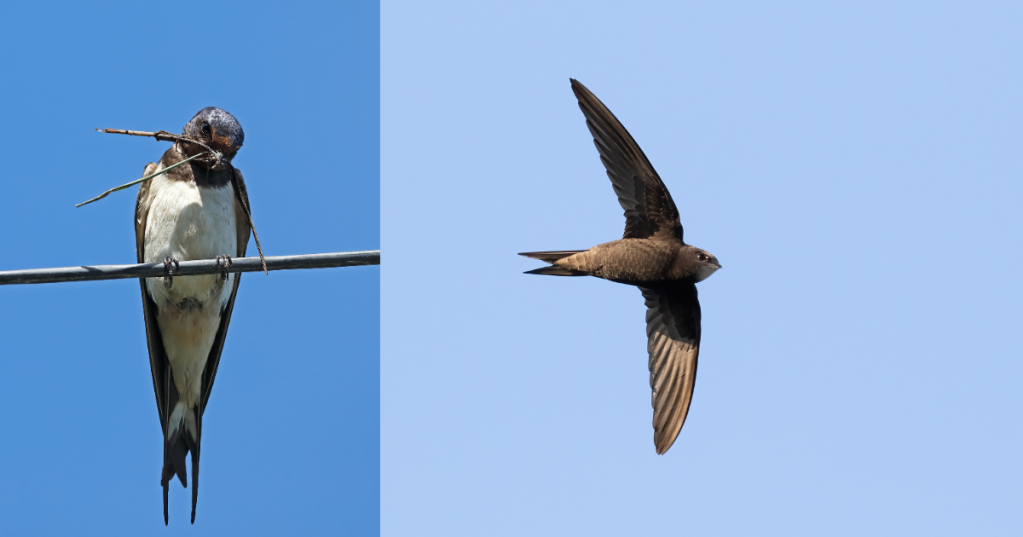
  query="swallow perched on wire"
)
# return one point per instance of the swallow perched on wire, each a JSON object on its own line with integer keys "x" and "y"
{"x": 650, "y": 255}
{"x": 195, "y": 211}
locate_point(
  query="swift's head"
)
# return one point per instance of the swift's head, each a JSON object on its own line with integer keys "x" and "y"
{"x": 704, "y": 264}
{"x": 219, "y": 131}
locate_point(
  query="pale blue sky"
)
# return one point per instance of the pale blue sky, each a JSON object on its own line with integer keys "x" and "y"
{"x": 291, "y": 433}
{"x": 856, "y": 169}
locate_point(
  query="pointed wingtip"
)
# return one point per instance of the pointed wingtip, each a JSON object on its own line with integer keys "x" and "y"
{"x": 166, "y": 519}
{"x": 195, "y": 473}
{"x": 578, "y": 89}
{"x": 663, "y": 447}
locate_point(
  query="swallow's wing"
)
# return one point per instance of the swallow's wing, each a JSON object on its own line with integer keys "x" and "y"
{"x": 157, "y": 356}
{"x": 649, "y": 211}
{"x": 673, "y": 341}
{"x": 209, "y": 373}
{"x": 242, "y": 225}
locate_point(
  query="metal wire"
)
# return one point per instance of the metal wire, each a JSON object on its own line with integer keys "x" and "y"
{"x": 188, "y": 268}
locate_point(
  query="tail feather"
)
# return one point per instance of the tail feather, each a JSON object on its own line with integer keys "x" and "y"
{"x": 195, "y": 463}
{"x": 551, "y": 257}
{"x": 185, "y": 429}
{"x": 555, "y": 271}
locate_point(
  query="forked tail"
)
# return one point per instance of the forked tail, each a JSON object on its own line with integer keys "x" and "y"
{"x": 183, "y": 434}
{"x": 551, "y": 257}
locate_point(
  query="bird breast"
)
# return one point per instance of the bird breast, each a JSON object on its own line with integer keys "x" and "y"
{"x": 186, "y": 222}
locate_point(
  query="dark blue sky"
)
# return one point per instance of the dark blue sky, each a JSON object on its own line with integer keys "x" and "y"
{"x": 291, "y": 434}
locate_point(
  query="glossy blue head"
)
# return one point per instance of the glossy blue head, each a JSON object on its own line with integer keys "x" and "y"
{"x": 219, "y": 130}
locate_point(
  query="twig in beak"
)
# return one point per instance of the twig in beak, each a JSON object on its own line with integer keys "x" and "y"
{"x": 162, "y": 136}
{"x": 234, "y": 184}
{"x": 146, "y": 178}
{"x": 214, "y": 154}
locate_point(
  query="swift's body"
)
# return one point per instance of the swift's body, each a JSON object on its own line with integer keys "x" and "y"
{"x": 652, "y": 256}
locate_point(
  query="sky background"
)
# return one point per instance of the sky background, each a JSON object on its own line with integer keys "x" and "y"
{"x": 856, "y": 168}
{"x": 291, "y": 434}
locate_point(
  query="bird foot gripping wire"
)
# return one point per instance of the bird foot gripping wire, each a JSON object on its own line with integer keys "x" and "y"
{"x": 224, "y": 262}
{"x": 169, "y": 264}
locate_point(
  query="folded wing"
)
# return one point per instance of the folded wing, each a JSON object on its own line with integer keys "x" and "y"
{"x": 163, "y": 384}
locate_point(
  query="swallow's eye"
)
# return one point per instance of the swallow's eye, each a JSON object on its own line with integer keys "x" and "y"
{"x": 205, "y": 128}
{"x": 703, "y": 257}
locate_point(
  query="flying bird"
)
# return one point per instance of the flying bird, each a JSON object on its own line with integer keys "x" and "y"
{"x": 193, "y": 211}
{"x": 650, "y": 255}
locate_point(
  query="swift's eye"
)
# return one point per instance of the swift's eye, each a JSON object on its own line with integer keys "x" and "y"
{"x": 703, "y": 257}
{"x": 205, "y": 128}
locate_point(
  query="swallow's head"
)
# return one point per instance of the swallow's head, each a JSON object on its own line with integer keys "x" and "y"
{"x": 706, "y": 264}
{"x": 219, "y": 131}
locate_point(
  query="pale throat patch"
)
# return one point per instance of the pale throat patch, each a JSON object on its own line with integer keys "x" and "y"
{"x": 705, "y": 272}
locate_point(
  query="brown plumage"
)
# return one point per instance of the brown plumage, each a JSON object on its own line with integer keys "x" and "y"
{"x": 652, "y": 256}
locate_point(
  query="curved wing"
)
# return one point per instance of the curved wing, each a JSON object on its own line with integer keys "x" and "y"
{"x": 242, "y": 225}
{"x": 673, "y": 341}
{"x": 157, "y": 356}
{"x": 650, "y": 212}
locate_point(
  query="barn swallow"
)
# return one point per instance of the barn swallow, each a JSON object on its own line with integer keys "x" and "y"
{"x": 191, "y": 212}
{"x": 650, "y": 255}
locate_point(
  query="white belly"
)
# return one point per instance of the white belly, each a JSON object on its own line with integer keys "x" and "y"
{"x": 186, "y": 223}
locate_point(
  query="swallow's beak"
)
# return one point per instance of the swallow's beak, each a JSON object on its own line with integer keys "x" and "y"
{"x": 217, "y": 161}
